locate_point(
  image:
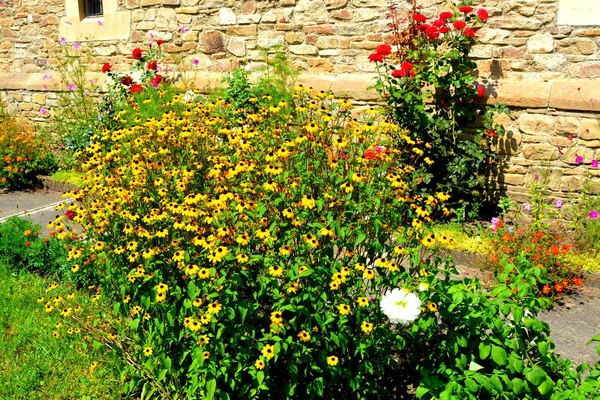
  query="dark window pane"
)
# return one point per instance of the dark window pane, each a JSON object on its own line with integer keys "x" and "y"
{"x": 92, "y": 7}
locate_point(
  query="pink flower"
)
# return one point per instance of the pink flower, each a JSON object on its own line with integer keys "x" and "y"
{"x": 183, "y": 29}
{"x": 482, "y": 14}
{"x": 578, "y": 160}
{"x": 595, "y": 163}
{"x": 63, "y": 40}
{"x": 76, "y": 46}
{"x": 570, "y": 137}
{"x": 100, "y": 23}
{"x": 71, "y": 86}
{"x": 43, "y": 111}
{"x": 593, "y": 214}
{"x": 196, "y": 61}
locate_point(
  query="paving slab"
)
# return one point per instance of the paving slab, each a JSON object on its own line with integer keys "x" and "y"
{"x": 35, "y": 205}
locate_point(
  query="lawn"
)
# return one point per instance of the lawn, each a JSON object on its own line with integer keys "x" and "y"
{"x": 34, "y": 364}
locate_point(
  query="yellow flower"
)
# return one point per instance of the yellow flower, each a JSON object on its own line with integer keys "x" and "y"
{"x": 432, "y": 307}
{"x": 259, "y": 364}
{"x": 344, "y": 309}
{"x": 366, "y": 327}
{"x": 242, "y": 258}
{"x": 204, "y": 273}
{"x": 362, "y": 301}
{"x": 308, "y": 202}
{"x": 243, "y": 239}
{"x": 276, "y": 317}
{"x": 304, "y": 336}
{"x": 288, "y": 213}
{"x": 428, "y": 241}
{"x": 359, "y": 267}
{"x": 332, "y": 361}
{"x": 162, "y": 288}
{"x": 268, "y": 351}
{"x": 275, "y": 271}
{"x": 160, "y": 297}
{"x": 197, "y": 302}
{"x": 147, "y": 351}
{"x": 369, "y": 274}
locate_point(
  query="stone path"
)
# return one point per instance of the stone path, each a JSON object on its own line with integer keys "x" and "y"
{"x": 35, "y": 205}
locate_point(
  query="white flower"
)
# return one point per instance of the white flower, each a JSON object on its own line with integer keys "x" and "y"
{"x": 400, "y": 306}
{"x": 423, "y": 286}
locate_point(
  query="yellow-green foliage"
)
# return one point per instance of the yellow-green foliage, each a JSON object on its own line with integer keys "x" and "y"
{"x": 76, "y": 178}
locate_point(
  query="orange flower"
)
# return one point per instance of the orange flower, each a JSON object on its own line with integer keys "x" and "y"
{"x": 494, "y": 258}
{"x": 577, "y": 281}
{"x": 559, "y": 287}
{"x": 546, "y": 289}
{"x": 539, "y": 235}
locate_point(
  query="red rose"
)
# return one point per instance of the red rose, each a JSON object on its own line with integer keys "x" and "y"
{"x": 482, "y": 14}
{"x": 156, "y": 80}
{"x": 419, "y": 17}
{"x": 136, "y": 88}
{"x": 465, "y": 9}
{"x": 480, "y": 90}
{"x": 126, "y": 80}
{"x": 137, "y": 53}
{"x": 376, "y": 57}
{"x": 469, "y": 32}
{"x": 106, "y": 68}
{"x": 432, "y": 32}
{"x": 398, "y": 73}
{"x": 152, "y": 65}
{"x": 424, "y": 27}
{"x": 458, "y": 25}
{"x": 446, "y": 15}
{"x": 438, "y": 23}
{"x": 406, "y": 66}
{"x": 159, "y": 42}
{"x": 384, "y": 49}
{"x": 444, "y": 29}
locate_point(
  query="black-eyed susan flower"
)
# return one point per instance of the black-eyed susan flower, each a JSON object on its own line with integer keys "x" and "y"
{"x": 214, "y": 307}
{"x": 259, "y": 364}
{"x": 368, "y": 274}
{"x": 276, "y": 317}
{"x": 332, "y": 361}
{"x": 268, "y": 351}
{"x": 344, "y": 309}
{"x": 362, "y": 301}
{"x": 275, "y": 271}
{"x": 304, "y": 336}
{"x": 366, "y": 327}
{"x": 148, "y": 351}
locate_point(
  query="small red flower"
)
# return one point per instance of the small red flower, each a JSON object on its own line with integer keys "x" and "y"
{"x": 370, "y": 155}
{"x": 159, "y": 42}
{"x": 136, "y": 88}
{"x": 480, "y": 90}
{"x": 482, "y": 14}
{"x": 137, "y": 53}
{"x": 469, "y": 32}
{"x": 384, "y": 49}
{"x": 376, "y": 57}
{"x": 407, "y": 66}
{"x": 106, "y": 68}
{"x": 152, "y": 65}
{"x": 126, "y": 80}
{"x": 559, "y": 287}
{"x": 27, "y": 244}
{"x": 444, "y": 29}
{"x": 465, "y": 9}
{"x": 282, "y": 21}
{"x": 419, "y": 17}
{"x": 398, "y": 73}
{"x": 577, "y": 281}
{"x": 446, "y": 15}
{"x": 432, "y": 32}
{"x": 424, "y": 27}
{"x": 438, "y": 23}
{"x": 70, "y": 214}
{"x": 458, "y": 25}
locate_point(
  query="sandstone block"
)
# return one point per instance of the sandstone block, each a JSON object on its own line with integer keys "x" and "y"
{"x": 333, "y": 4}
{"x": 146, "y": 3}
{"x": 551, "y": 62}
{"x": 573, "y": 94}
{"x": 344, "y": 14}
{"x": 270, "y": 39}
{"x": 249, "y": 19}
{"x": 320, "y": 29}
{"x": 366, "y": 14}
{"x": 531, "y": 24}
{"x": 189, "y": 36}
{"x": 294, "y": 38}
{"x": 320, "y": 65}
{"x": 536, "y": 124}
{"x": 310, "y": 12}
{"x": 511, "y": 179}
{"x": 226, "y": 16}
{"x": 187, "y": 10}
{"x": 539, "y": 152}
{"x": 489, "y": 35}
{"x": 39, "y": 98}
{"x": 481, "y": 51}
{"x": 211, "y": 42}
{"x": 577, "y": 46}
{"x": 331, "y": 53}
{"x": 304, "y": 49}
{"x": 276, "y": 15}
{"x": 590, "y": 130}
{"x": 589, "y": 69}
{"x": 567, "y": 125}
{"x": 522, "y": 93}
{"x": 170, "y": 2}
{"x": 540, "y": 43}
{"x": 366, "y": 45}
{"x": 132, "y": 4}
{"x": 237, "y": 47}
{"x": 242, "y": 30}
{"x": 248, "y": 7}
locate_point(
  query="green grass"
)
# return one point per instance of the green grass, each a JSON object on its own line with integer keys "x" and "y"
{"x": 35, "y": 365}
{"x": 68, "y": 177}
{"x": 469, "y": 240}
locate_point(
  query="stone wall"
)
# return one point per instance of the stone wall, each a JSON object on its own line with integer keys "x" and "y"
{"x": 549, "y": 73}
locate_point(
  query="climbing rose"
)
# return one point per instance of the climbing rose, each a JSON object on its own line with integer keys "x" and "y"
{"x": 376, "y": 57}
{"x": 384, "y": 49}
{"x": 446, "y": 15}
{"x": 465, "y": 9}
{"x": 458, "y": 25}
{"x": 480, "y": 90}
{"x": 152, "y": 65}
{"x": 106, "y": 68}
{"x": 136, "y": 88}
{"x": 469, "y": 32}
{"x": 482, "y": 14}
{"x": 126, "y": 80}
{"x": 419, "y": 17}
{"x": 398, "y": 73}
{"x": 137, "y": 53}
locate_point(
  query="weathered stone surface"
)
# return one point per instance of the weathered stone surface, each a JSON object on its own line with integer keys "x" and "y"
{"x": 237, "y": 47}
{"x": 276, "y": 15}
{"x": 320, "y": 29}
{"x": 481, "y": 51}
{"x": 249, "y": 19}
{"x": 536, "y": 124}
{"x": 551, "y": 62}
{"x": 324, "y": 42}
{"x": 242, "y": 30}
{"x": 522, "y": 93}
{"x": 590, "y": 69}
{"x": 310, "y": 12}
{"x": 320, "y": 65}
{"x": 365, "y": 14}
{"x": 344, "y": 14}
{"x": 211, "y": 42}
{"x": 226, "y": 16}
{"x": 590, "y": 130}
{"x": 333, "y": 4}
{"x": 540, "y": 43}
{"x": 573, "y": 94}
{"x": 542, "y": 152}
{"x": 304, "y": 49}
{"x": 294, "y": 37}
{"x": 511, "y": 179}
{"x": 577, "y": 46}
{"x": 521, "y": 23}
{"x": 170, "y": 2}
{"x": 567, "y": 125}
{"x": 489, "y": 35}
{"x": 248, "y": 7}
{"x": 269, "y": 39}
{"x": 147, "y": 3}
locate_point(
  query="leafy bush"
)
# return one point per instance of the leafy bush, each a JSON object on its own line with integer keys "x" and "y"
{"x": 429, "y": 88}
{"x": 23, "y": 248}
{"x": 23, "y": 155}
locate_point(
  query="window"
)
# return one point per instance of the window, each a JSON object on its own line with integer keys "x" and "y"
{"x": 92, "y": 8}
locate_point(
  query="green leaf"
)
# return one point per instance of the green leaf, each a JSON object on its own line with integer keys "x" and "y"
{"x": 211, "y": 386}
{"x": 543, "y": 348}
{"x": 471, "y": 385}
{"x": 499, "y": 355}
{"x": 484, "y": 350}
{"x": 546, "y": 387}
{"x": 497, "y": 383}
{"x": 517, "y": 385}
{"x": 536, "y": 376}
{"x": 473, "y": 366}
{"x": 518, "y": 314}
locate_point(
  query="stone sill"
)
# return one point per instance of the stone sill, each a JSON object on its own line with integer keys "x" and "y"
{"x": 565, "y": 94}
